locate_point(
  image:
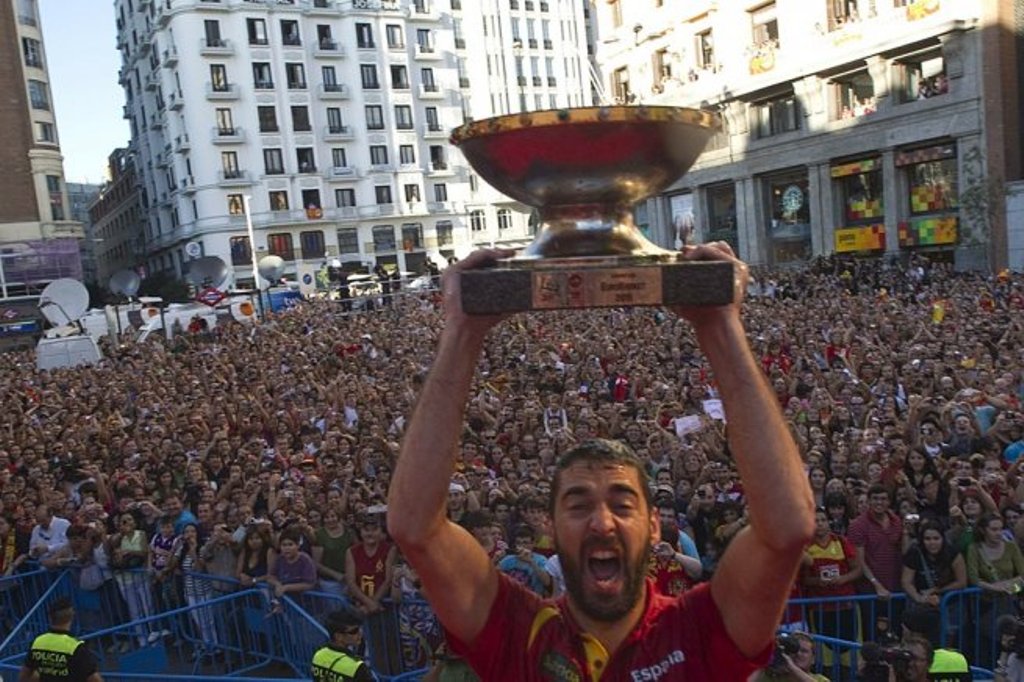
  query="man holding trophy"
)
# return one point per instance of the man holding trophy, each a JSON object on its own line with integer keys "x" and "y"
{"x": 611, "y": 624}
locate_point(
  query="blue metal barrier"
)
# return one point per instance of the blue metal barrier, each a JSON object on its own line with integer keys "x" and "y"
{"x": 20, "y": 592}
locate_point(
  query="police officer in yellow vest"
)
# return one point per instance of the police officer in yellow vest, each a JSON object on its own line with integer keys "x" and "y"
{"x": 336, "y": 661}
{"x": 56, "y": 655}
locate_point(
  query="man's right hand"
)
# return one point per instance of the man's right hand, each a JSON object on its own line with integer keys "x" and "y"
{"x": 715, "y": 251}
{"x": 451, "y": 286}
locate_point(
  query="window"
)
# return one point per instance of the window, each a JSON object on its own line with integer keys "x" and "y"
{"x": 262, "y": 77}
{"x": 241, "y": 254}
{"x": 378, "y": 155}
{"x": 334, "y": 122}
{"x": 348, "y": 241}
{"x": 412, "y": 193}
{"x": 615, "y": 8}
{"x": 296, "y": 74}
{"x": 854, "y": 95}
{"x": 278, "y": 200}
{"x": 427, "y": 76}
{"x": 620, "y": 86}
{"x": 860, "y": 186}
{"x": 789, "y": 218}
{"x": 229, "y": 165}
{"x": 330, "y": 78}
{"x": 441, "y": 192}
{"x": 280, "y": 244}
{"x": 407, "y": 154}
{"x": 477, "y": 221}
{"x": 394, "y": 36}
{"x": 779, "y": 115}
{"x": 225, "y": 126}
{"x": 312, "y": 244}
{"x": 311, "y": 202}
{"x": 345, "y": 197}
{"x": 38, "y": 95}
{"x": 268, "y": 119}
{"x": 403, "y": 117}
{"x": 374, "y": 117}
{"x": 56, "y": 197}
{"x": 399, "y": 77}
{"x": 257, "y": 29}
{"x": 235, "y": 205}
{"x": 300, "y": 119}
{"x": 504, "y": 219}
{"x": 841, "y": 12}
{"x": 339, "y": 159}
{"x": 934, "y": 185}
{"x": 722, "y": 224}
{"x": 273, "y": 161}
{"x": 444, "y": 233}
{"x": 437, "y": 157}
{"x": 306, "y": 160}
{"x": 45, "y": 132}
{"x": 382, "y": 193}
{"x": 922, "y": 77}
{"x": 384, "y": 238}
{"x": 32, "y": 50}
{"x": 424, "y": 40}
{"x": 433, "y": 123}
{"x": 705, "y": 50}
{"x": 412, "y": 236}
{"x": 324, "y": 38}
{"x": 211, "y": 30}
{"x": 364, "y": 35}
{"x": 369, "y": 76}
{"x": 219, "y": 78}
{"x": 765, "y": 26}
{"x": 290, "y": 32}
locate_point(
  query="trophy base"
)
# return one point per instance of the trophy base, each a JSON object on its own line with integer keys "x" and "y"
{"x": 598, "y": 282}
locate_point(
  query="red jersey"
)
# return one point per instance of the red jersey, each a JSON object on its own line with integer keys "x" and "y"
{"x": 833, "y": 560}
{"x": 371, "y": 571}
{"x": 669, "y": 576}
{"x": 529, "y": 639}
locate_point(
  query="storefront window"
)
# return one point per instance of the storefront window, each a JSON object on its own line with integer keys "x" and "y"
{"x": 789, "y": 232}
{"x": 859, "y": 187}
{"x": 932, "y": 195}
{"x": 722, "y": 215}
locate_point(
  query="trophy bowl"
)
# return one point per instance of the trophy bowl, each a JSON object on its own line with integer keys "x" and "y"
{"x": 583, "y": 170}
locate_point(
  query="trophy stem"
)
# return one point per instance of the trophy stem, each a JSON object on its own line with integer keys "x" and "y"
{"x": 589, "y": 230}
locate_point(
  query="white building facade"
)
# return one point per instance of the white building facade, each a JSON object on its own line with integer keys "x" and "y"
{"x": 333, "y": 117}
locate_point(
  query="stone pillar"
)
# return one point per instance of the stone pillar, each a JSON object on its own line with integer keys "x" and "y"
{"x": 823, "y": 223}
{"x": 750, "y": 219}
{"x": 892, "y": 190}
{"x": 881, "y": 79}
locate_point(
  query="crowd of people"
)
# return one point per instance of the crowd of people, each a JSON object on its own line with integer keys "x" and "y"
{"x": 263, "y": 454}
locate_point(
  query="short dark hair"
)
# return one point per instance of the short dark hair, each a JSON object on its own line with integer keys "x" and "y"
{"x": 601, "y": 450}
{"x": 61, "y": 610}
{"x": 337, "y": 622}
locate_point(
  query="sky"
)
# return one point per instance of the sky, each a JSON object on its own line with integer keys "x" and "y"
{"x": 81, "y": 49}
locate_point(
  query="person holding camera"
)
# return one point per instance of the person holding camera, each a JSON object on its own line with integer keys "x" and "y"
{"x": 794, "y": 659}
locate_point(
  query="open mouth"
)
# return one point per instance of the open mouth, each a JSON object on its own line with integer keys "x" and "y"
{"x": 604, "y": 570}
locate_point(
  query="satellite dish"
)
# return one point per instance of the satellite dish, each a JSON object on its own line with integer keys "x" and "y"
{"x": 208, "y": 271}
{"x": 125, "y": 282}
{"x": 63, "y": 301}
{"x": 271, "y": 268}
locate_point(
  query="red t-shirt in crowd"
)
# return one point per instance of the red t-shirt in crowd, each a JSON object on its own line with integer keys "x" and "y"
{"x": 529, "y": 639}
{"x": 832, "y": 559}
{"x": 883, "y": 547}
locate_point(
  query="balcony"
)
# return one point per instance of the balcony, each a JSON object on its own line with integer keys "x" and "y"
{"x": 227, "y": 135}
{"x": 307, "y": 168}
{"x": 156, "y": 120}
{"x": 324, "y": 8}
{"x": 427, "y": 52}
{"x": 27, "y": 20}
{"x": 342, "y": 173}
{"x": 334, "y": 91}
{"x": 552, "y": 81}
{"x": 463, "y": 82}
{"x": 549, "y": 44}
{"x": 531, "y": 43}
{"x": 544, "y": 7}
{"x": 439, "y": 168}
{"x": 215, "y": 47}
{"x": 377, "y": 210}
{"x": 221, "y": 92}
{"x": 338, "y": 133}
{"x": 188, "y": 185}
{"x": 161, "y": 160}
{"x": 126, "y": 111}
{"x": 460, "y": 43}
{"x": 263, "y": 85}
{"x": 234, "y": 178}
{"x": 182, "y": 143}
{"x": 430, "y": 91}
{"x": 434, "y": 131}
{"x": 538, "y": 81}
{"x": 382, "y": 168}
{"x": 175, "y": 101}
{"x": 153, "y": 80}
{"x": 329, "y": 49}
{"x": 440, "y": 207}
{"x": 170, "y": 56}
{"x": 456, "y": 5}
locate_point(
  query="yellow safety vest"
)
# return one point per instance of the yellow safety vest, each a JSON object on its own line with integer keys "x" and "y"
{"x": 949, "y": 664}
{"x": 51, "y": 654}
{"x": 332, "y": 665}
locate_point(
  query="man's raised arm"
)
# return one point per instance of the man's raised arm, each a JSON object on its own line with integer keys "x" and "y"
{"x": 754, "y": 578}
{"x": 458, "y": 578}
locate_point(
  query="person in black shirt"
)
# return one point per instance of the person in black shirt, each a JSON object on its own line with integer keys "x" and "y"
{"x": 336, "y": 660}
{"x": 56, "y": 656}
